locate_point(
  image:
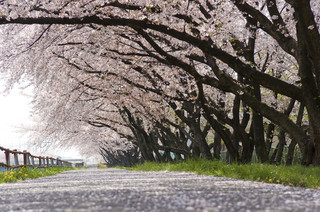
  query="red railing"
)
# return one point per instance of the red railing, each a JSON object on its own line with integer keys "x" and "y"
{"x": 11, "y": 160}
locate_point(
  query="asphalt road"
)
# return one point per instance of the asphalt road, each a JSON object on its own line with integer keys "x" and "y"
{"x": 121, "y": 190}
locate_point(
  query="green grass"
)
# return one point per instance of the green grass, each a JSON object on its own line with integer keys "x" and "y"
{"x": 27, "y": 173}
{"x": 101, "y": 166}
{"x": 287, "y": 175}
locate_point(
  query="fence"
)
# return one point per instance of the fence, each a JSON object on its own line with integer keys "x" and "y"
{"x": 14, "y": 159}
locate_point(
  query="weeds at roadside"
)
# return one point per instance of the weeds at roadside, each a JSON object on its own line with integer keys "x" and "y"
{"x": 102, "y": 166}
{"x": 28, "y": 173}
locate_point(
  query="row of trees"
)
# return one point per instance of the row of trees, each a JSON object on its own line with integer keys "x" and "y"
{"x": 178, "y": 79}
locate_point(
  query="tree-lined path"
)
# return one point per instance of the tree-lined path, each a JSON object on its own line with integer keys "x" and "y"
{"x": 175, "y": 79}
{"x": 122, "y": 190}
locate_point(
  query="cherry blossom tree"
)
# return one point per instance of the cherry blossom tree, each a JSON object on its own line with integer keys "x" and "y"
{"x": 262, "y": 55}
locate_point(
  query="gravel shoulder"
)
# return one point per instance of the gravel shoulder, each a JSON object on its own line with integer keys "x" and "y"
{"x": 122, "y": 190}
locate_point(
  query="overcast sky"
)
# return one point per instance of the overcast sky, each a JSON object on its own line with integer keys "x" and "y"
{"x": 15, "y": 110}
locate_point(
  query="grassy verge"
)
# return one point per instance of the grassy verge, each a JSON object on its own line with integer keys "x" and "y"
{"x": 27, "y": 173}
{"x": 287, "y": 175}
{"x": 102, "y": 166}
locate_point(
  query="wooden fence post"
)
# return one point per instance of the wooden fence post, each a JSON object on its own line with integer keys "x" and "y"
{"x": 25, "y": 158}
{"x": 28, "y": 158}
{"x": 32, "y": 161}
{"x": 7, "y": 154}
{"x": 16, "y": 159}
{"x": 47, "y": 159}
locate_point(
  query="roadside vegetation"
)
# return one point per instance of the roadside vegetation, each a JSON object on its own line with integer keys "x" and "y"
{"x": 295, "y": 175}
{"x": 27, "y": 173}
{"x": 102, "y": 166}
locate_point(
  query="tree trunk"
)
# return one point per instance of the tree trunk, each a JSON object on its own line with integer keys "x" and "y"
{"x": 195, "y": 150}
{"x": 293, "y": 143}
{"x": 282, "y": 142}
{"x": 201, "y": 141}
{"x": 308, "y": 59}
{"x": 274, "y": 154}
{"x": 290, "y": 154}
{"x": 269, "y": 137}
{"x": 217, "y": 146}
{"x": 258, "y": 135}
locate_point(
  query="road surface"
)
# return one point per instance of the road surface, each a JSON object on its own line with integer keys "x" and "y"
{"x": 121, "y": 190}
